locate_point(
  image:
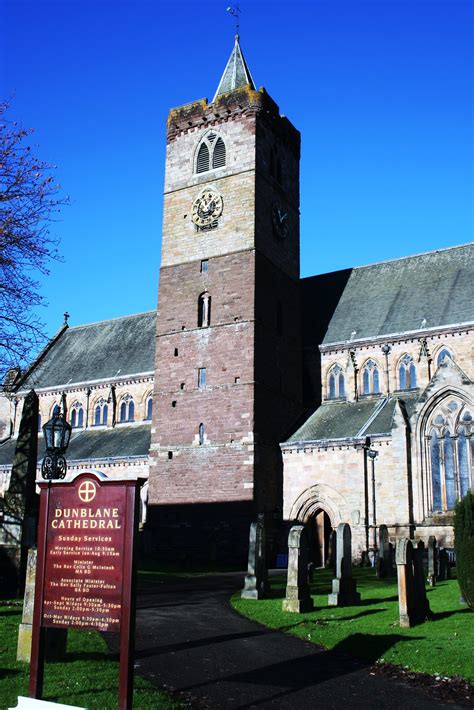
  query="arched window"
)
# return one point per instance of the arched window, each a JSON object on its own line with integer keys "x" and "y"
{"x": 149, "y": 408}
{"x": 77, "y": 415}
{"x": 101, "y": 412}
{"x": 407, "y": 373}
{"x": 211, "y": 153}
{"x": 336, "y": 384}
{"x": 55, "y": 410}
{"x": 204, "y": 310}
{"x": 441, "y": 355}
{"x": 450, "y": 435}
{"x": 39, "y": 422}
{"x": 201, "y": 434}
{"x": 370, "y": 378}
{"x": 127, "y": 409}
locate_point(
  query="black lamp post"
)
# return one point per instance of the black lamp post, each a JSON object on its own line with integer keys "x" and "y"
{"x": 57, "y": 433}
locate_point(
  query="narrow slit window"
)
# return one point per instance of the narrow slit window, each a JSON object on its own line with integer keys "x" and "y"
{"x": 201, "y": 377}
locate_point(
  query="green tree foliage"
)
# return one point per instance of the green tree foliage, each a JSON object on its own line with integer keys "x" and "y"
{"x": 29, "y": 204}
{"x": 464, "y": 545}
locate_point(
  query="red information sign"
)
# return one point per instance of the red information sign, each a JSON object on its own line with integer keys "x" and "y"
{"x": 84, "y": 573}
{"x": 84, "y": 556}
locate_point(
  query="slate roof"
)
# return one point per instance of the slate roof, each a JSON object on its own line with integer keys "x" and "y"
{"x": 347, "y": 420}
{"x": 91, "y": 444}
{"x": 236, "y": 72}
{"x": 112, "y": 348}
{"x": 409, "y": 294}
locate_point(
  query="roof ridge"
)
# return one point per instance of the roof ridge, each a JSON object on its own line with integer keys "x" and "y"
{"x": 110, "y": 320}
{"x": 413, "y": 256}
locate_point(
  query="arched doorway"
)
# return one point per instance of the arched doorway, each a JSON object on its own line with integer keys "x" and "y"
{"x": 319, "y": 533}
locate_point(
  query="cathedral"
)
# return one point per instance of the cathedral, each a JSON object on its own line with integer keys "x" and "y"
{"x": 343, "y": 397}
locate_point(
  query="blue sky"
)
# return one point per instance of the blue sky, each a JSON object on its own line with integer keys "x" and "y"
{"x": 381, "y": 90}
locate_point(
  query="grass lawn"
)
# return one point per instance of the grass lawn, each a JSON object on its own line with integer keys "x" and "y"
{"x": 87, "y": 677}
{"x": 371, "y": 630}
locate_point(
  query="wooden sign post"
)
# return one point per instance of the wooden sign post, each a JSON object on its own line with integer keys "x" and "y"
{"x": 85, "y": 572}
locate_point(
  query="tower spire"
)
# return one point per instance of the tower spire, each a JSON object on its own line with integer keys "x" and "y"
{"x": 236, "y": 72}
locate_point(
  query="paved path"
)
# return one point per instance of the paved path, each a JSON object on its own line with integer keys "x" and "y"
{"x": 190, "y": 640}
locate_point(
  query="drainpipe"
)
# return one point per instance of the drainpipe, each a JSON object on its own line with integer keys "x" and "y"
{"x": 88, "y": 397}
{"x": 386, "y": 349}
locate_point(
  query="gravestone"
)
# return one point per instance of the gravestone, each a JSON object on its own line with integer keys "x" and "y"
{"x": 256, "y": 579}
{"x": 422, "y": 605}
{"x": 56, "y": 639}
{"x": 384, "y": 561}
{"x": 344, "y": 590}
{"x": 444, "y": 570}
{"x": 298, "y": 598}
{"x": 413, "y": 604}
{"x": 432, "y": 560}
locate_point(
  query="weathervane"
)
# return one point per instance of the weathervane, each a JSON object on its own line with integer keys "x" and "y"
{"x": 234, "y": 10}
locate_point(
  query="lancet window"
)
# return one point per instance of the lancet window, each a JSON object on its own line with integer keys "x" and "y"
{"x": 449, "y": 450}
{"x": 336, "y": 388}
{"x": 211, "y": 153}
{"x": 441, "y": 355}
{"x": 370, "y": 378}
{"x": 407, "y": 373}
{"x": 149, "y": 408}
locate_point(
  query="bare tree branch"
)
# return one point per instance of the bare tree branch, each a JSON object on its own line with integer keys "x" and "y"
{"x": 29, "y": 205}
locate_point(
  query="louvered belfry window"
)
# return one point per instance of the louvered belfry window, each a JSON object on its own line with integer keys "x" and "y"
{"x": 218, "y": 156}
{"x": 202, "y": 164}
{"x": 211, "y": 154}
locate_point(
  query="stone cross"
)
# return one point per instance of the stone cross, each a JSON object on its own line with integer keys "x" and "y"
{"x": 344, "y": 590}
{"x": 413, "y": 604}
{"x": 384, "y": 562}
{"x": 256, "y": 580}
{"x": 432, "y": 560}
{"x": 298, "y": 598}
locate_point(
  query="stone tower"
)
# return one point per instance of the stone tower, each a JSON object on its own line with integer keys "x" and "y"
{"x": 228, "y": 370}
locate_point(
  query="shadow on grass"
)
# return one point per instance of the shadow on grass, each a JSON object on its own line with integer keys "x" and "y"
{"x": 437, "y": 616}
{"x": 7, "y": 672}
{"x": 72, "y": 657}
{"x": 323, "y": 622}
{"x": 10, "y": 612}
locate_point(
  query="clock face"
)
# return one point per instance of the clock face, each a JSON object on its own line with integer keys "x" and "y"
{"x": 207, "y": 208}
{"x": 280, "y": 221}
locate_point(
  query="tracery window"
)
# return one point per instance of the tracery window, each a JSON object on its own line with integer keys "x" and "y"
{"x": 441, "y": 355}
{"x": 449, "y": 448}
{"x": 101, "y": 412}
{"x": 336, "y": 388}
{"x": 370, "y": 378}
{"x": 77, "y": 415}
{"x": 127, "y": 409}
{"x": 407, "y": 373}
{"x": 211, "y": 153}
